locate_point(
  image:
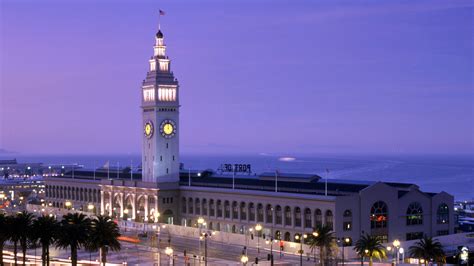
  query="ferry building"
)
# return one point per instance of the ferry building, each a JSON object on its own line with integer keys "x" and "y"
{"x": 285, "y": 205}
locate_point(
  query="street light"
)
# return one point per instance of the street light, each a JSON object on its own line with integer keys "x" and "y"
{"x": 200, "y": 222}
{"x": 258, "y": 228}
{"x": 244, "y": 259}
{"x": 402, "y": 251}
{"x": 68, "y": 204}
{"x": 169, "y": 252}
{"x": 90, "y": 207}
{"x": 344, "y": 243}
{"x": 301, "y": 239}
{"x": 396, "y": 244}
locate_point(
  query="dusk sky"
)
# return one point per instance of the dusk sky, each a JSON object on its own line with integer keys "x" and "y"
{"x": 283, "y": 77}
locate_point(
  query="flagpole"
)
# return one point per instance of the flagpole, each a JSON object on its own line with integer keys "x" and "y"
{"x": 94, "y": 170}
{"x": 118, "y": 167}
{"x": 276, "y": 180}
{"x": 131, "y": 170}
{"x": 108, "y": 170}
{"x": 189, "y": 177}
{"x": 326, "y": 183}
{"x": 233, "y": 178}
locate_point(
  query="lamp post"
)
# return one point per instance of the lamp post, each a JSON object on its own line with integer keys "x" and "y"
{"x": 271, "y": 249}
{"x": 205, "y": 236}
{"x": 345, "y": 242}
{"x": 402, "y": 251}
{"x": 169, "y": 252}
{"x": 200, "y": 223}
{"x": 396, "y": 244}
{"x": 301, "y": 239}
{"x": 258, "y": 228}
{"x": 244, "y": 259}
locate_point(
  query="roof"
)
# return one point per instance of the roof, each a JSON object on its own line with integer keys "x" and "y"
{"x": 12, "y": 161}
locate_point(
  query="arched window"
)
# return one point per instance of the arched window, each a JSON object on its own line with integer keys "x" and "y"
{"x": 379, "y": 215}
{"x": 287, "y": 215}
{"x": 260, "y": 213}
{"x": 287, "y": 236}
{"x": 226, "y": 209}
{"x": 204, "y": 207}
{"x": 442, "y": 215}
{"x": 198, "y": 206}
{"x": 278, "y": 214}
{"x": 414, "y": 214}
{"x": 235, "y": 210}
{"x": 347, "y": 220}
{"x": 183, "y": 205}
{"x": 219, "y": 208}
{"x": 277, "y": 235}
{"x": 318, "y": 217}
{"x": 297, "y": 216}
{"x": 190, "y": 206}
{"x": 243, "y": 211}
{"x": 329, "y": 219}
{"x": 212, "y": 208}
{"x": 251, "y": 212}
{"x": 269, "y": 211}
{"x": 307, "y": 218}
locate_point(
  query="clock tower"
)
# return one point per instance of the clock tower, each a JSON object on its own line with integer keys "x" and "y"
{"x": 160, "y": 114}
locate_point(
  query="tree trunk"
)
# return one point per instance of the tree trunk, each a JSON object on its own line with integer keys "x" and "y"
{"x": 361, "y": 260}
{"x": 23, "y": 250}
{"x": 1, "y": 253}
{"x": 43, "y": 255}
{"x": 47, "y": 255}
{"x": 15, "y": 252}
{"x": 73, "y": 256}
{"x": 370, "y": 261}
{"x": 321, "y": 256}
{"x": 104, "y": 255}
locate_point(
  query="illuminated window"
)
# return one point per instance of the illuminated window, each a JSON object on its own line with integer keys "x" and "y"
{"x": 167, "y": 94}
{"x": 379, "y": 215}
{"x": 442, "y": 215}
{"x": 414, "y": 214}
{"x": 347, "y": 220}
{"x": 152, "y": 65}
{"x": 149, "y": 95}
{"x": 164, "y": 65}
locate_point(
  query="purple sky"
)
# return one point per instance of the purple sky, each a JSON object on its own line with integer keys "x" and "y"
{"x": 282, "y": 77}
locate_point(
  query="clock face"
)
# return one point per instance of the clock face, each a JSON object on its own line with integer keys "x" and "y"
{"x": 148, "y": 129}
{"x": 168, "y": 128}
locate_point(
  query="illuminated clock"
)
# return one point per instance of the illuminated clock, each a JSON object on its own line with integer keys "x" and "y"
{"x": 148, "y": 129}
{"x": 168, "y": 128}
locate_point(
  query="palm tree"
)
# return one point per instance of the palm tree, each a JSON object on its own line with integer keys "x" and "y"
{"x": 4, "y": 233}
{"x": 103, "y": 236}
{"x": 428, "y": 249}
{"x": 370, "y": 246}
{"x": 323, "y": 239}
{"x": 23, "y": 221}
{"x": 44, "y": 231}
{"x": 73, "y": 233}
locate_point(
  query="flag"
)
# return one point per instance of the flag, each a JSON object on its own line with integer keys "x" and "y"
{"x": 162, "y": 13}
{"x": 107, "y": 164}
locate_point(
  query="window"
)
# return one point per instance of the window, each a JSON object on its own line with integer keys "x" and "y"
{"x": 297, "y": 216}
{"x": 414, "y": 214}
{"x": 198, "y": 206}
{"x": 442, "y": 215}
{"x": 415, "y": 235}
{"x": 379, "y": 215}
{"x": 307, "y": 218}
{"x": 243, "y": 212}
{"x": 329, "y": 219}
{"x": 347, "y": 220}
{"x": 204, "y": 207}
{"x": 219, "y": 208}
{"x": 235, "y": 210}
{"x": 347, "y": 226}
{"x": 226, "y": 209}
{"x": 251, "y": 212}
{"x": 212, "y": 211}
{"x": 190, "y": 206}
{"x": 183, "y": 207}
{"x": 287, "y": 215}
{"x": 269, "y": 214}
{"x": 318, "y": 217}
{"x": 278, "y": 215}
{"x": 260, "y": 213}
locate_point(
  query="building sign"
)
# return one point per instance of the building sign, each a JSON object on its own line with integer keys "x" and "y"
{"x": 235, "y": 168}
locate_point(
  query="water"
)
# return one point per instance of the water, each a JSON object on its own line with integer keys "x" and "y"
{"x": 453, "y": 174}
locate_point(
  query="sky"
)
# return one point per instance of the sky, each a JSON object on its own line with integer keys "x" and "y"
{"x": 283, "y": 77}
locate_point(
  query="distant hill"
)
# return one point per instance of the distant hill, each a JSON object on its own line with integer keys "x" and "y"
{"x": 3, "y": 151}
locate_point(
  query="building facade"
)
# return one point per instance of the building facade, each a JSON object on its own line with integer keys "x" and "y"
{"x": 286, "y": 205}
